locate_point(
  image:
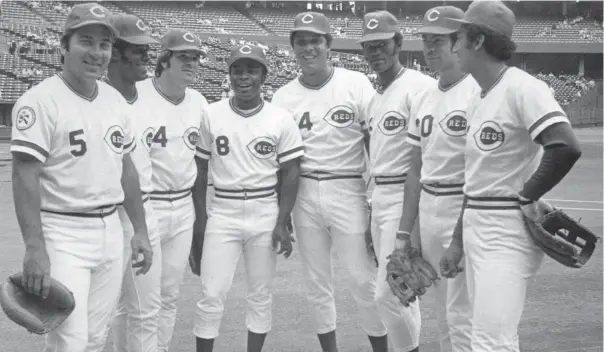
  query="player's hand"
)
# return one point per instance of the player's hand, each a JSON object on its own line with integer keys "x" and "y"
{"x": 450, "y": 263}
{"x": 36, "y": 271}
{"x": 197, "y": 247}
{"x": 142, "y": 254}
{"x": 283, "y": 239}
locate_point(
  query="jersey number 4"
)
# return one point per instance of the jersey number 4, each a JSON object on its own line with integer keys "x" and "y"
{"x": 77, "y": 143}
{"x": 305, "y": 121}
{"x": 160, "y": 137}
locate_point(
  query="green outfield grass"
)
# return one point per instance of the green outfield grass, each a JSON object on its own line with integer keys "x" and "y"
{"x": 563, "y": 310}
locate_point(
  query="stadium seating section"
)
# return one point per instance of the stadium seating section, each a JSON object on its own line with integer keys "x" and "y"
{"x": 35, "y": 27}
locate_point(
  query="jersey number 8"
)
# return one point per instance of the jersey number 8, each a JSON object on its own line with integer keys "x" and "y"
{"x": 222, "y": 145}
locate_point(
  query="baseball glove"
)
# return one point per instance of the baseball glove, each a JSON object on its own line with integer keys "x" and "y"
{"x": 562, "y": 238}
{"x": 408, "y": 274}
{"x": 36, "y": 314}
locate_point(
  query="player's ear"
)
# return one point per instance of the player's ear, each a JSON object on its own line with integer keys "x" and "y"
{"x": 479, "y": 42}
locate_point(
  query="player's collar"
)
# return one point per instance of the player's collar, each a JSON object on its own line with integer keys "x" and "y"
{"x": 317, "y": 87}
{"x": 246, "y": 113}
{"x": 175, "y": 102}
{"x": 501, "y": 74}
{"x": 381, "y": 89}
{"x": 444, "y": 89}
{"x": 90, "y": 98}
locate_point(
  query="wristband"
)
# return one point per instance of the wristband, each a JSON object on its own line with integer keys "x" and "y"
{"x": 401, "y": 234}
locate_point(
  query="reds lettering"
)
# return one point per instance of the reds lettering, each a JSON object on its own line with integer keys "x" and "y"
{"x": 489, "y": 135}
{"x": 457, "y": 123}
{"x": 117, "y": 139}
{"x": 392, "y": 123}
{"x": 264, "y": 148}
{"x": 341, "y": 116}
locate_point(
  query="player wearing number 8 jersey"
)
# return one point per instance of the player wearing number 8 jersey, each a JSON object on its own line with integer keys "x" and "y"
{"x": 519, "y": 146}
{"x": 436, "y": 177}
{"x": 71, "y": 141}
{"x": 389, "y": 113}
{"x": 174, "y": 113}
{"x": 246, "y": 141}
{"x": 331, "y": 210}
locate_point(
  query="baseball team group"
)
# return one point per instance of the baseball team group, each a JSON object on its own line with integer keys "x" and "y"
{"x": 120, "y": 181}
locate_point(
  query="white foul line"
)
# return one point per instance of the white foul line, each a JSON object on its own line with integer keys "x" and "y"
{"x": 573, "y": 201}
{"x": 587, "y": 209}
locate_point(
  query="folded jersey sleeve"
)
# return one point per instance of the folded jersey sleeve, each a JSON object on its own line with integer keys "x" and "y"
{"x": 290, "y": 144}
{"x": 365, "y": 93}
{"x": 33, "y": 127}
{"x": 203, "y": 149}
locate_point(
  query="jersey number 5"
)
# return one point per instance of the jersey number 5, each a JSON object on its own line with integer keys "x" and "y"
{"x": 305, "y": 121}
{"x": 222, "y": 145}
{"x": 78, "y": 144}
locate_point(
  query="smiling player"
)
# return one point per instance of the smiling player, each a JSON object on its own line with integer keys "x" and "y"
{"x": 71, "y": 141}
{"x": 519, "y": 145}
{"x": 331, "y": 210}
{"x": 436, "y": 176}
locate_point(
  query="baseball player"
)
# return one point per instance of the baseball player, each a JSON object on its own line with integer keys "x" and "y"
{"x": 436, "y": 176}
{"x": 246, "y": 141}
{"x": 328, "y": 104}
{"x": 71, "y": 140}
{"x": 135, "y": 324}
{"x": 175, "y": 112}
{"x": 389, "y": 113}
{"x": 519, "y": 145}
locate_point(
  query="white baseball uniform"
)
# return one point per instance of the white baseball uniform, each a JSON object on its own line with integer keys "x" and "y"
{"x": 439, "y": 129}
{"x": 331, "y": 208}
{"x": 80, "y": 142}
{"x": 501, "y": 155}
{"x": 245, "y": 150}
{"x": 389, "y": 113}
{"x": 172, "y": 156}
{"x": 135, "y": 324}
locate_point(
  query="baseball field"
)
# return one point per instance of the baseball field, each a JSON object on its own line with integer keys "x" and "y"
{"x": 563, "y": 312}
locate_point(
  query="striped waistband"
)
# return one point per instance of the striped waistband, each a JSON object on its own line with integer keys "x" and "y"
{"x": 390, "y": 180}
{"x": 100, "y": 212}
{"x": 493, "y": 203}
{"x": 436, "y": 189}
{"x": 326, "y": 176}
{"x": 246, "y": 193}
{"x": 170, "y": 196}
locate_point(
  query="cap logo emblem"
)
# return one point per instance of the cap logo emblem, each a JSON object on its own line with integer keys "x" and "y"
{"x": 246, "y": 49}
{"x": 97, "y": 11}
{"x": 307, "y": 18}
{"x": 430, "y": 16}
{"x": 141, "y": 25}
{"x": 372, "y": 23}
{"x": 189, "y": 37}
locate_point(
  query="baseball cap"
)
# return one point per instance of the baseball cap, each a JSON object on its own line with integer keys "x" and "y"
{"x": 133, "y": 30}
{"x": 437, "y": 20}
{"x": 314, "y": 22}
{"x": 181, "y": 40}
{"x": 248, "y": 51}
{"x": 379, "y": 25}
{"x": 88, "y": 14}
{"x": 491, "y": 14}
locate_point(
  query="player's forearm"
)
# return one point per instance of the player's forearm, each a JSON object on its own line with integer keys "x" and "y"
{"x": 366, "y": 138}
{"x": 133, "y": 201}
{"x": 288, "y": 190}
{"x": 413, "y": 189}
{"x": 26, "y": 197}
{"x": 200, "y": 189}
{"x": 458, "y": 230}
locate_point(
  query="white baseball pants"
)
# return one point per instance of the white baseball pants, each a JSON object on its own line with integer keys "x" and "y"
{"x": 439, "y": 209}
{"x": 331, "y": 212}
{"x": 237, "y": 225}
{"x": 403, "y": 323}
{"x": 85, "y": 252}
{"x": 175, "y": 217}
{"x": 500, "y": 259}
{"x": 135, "y": 323}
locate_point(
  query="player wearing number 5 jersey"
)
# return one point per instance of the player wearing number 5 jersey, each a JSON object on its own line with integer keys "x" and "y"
{"x": 331, "y": 210}
{"x": 519, "y": 146}
{"x": 135, "y": 323}
{"x": 71, "y": 141}
{"x": 389, "y": 113}
{"x": 174, "y": 113}
{"x": 436, "y": 177}
{"x": 246, "y": 141}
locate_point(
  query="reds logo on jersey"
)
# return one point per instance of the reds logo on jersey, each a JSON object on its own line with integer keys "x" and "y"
{"x": 191, "y": 136}
{"x": 147, "y": 138}
{"x": 489, "y": 136}
{"x": 115, "y": 139}
{"x": 262, "y": 147}
{"x": 454, "y": 123}
{"x": 392, "y": 123}
{"x": 340, "y": 116}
